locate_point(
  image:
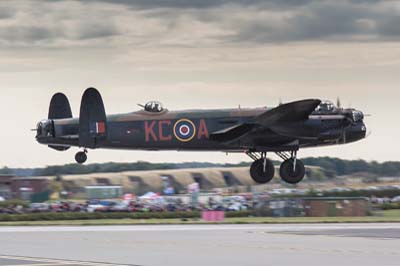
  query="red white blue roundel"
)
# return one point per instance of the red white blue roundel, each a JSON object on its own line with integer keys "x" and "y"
{"x": 184, "y": 130}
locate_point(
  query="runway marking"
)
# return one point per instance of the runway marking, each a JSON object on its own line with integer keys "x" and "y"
{"x": 177, "y": 228}
{"x": 58, "y": 262}
{"x": 46, "y": 264}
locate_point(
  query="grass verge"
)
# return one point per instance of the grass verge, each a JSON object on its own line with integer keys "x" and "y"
{"x": 383, "y": 218}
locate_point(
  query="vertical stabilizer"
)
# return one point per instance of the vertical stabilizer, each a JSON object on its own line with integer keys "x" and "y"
{"x": 59, "y": 107}
{"x": 92, "y": 120}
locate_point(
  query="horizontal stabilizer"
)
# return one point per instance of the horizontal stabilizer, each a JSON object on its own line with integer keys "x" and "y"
{"x": 289, "y": 112}
{"x": 92, "y": 119}
{"x": 59, "y": 107}
{"x": 59, "y": 148}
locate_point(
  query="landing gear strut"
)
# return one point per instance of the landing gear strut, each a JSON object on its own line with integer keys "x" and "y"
{"x": 262, "y": 170}
{"x": 81, "y": 157}
{"x": 292, "y": 170}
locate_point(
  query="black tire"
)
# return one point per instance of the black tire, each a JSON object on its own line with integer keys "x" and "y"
{"x": 257, "y": 171}
{"x": 81, "y": 157}
{"x": 288, "y": 175}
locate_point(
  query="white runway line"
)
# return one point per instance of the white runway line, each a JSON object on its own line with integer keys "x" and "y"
{"x": 55, "y": 262}
{"x": 52, "y": 264}
{"x": 166, "y": 228}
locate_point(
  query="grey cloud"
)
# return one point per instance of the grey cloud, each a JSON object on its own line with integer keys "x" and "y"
{"x": 6, "y": 13}
{"x": 36, "y": 35}
{"x": 182, "y": 4}
{"x": 218, "y": 22}
{"x": 95, "y": 30}
{"x": 52, "y": 25}
{"x": 24, "y": 34}
{"x": 389, "y": 26}
{"x": 324, "y": 20}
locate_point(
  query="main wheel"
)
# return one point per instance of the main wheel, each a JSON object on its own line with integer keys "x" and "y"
{"x": 81, "y": 157}
{"x": 290, "y": 175}
{"x": 262, "y": 173}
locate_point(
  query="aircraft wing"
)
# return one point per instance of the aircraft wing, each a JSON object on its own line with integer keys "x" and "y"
{"x": 232, "y": 133}
{"x": 279, "y": 116}
{"x": 289, "y": 112}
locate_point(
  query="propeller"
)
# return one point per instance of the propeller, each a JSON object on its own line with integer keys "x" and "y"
{"x": 338, "y": 103}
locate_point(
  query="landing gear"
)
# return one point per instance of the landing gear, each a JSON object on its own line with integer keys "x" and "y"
{"x": 292, "y": 170}
{"x": 81, "y": 157}
{"x": 262, "y": 170}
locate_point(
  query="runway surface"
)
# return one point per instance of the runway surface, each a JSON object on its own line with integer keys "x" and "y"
{"x": 317, "y": 244}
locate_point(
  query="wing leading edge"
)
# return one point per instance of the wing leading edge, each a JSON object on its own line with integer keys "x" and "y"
{"x": 289, "y": 112}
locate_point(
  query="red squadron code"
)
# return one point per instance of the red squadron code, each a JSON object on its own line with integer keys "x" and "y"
{"x": 164, "y": 130}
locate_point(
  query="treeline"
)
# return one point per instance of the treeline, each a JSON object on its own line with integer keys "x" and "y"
{"x": 348, "y": 167}
{"x": 332, "y": 166}
{"x": 75, "y": 169}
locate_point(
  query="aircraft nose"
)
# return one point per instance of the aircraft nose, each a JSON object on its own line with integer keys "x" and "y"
{"x": 356, "y": 132}
{"x": 357, "y": 116}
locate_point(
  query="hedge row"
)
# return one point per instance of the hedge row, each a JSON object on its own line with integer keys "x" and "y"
{"x": 390, "y": 206}
{"x": 390, "y": 193}
{"x": 109, "y": 215}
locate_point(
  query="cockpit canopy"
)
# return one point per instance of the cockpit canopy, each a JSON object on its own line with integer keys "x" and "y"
{"x": 326, "y": 107}
{"x": 154, "y": 107}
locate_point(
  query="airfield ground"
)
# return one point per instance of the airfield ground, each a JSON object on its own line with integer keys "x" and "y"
{"x": 156, "y": 245}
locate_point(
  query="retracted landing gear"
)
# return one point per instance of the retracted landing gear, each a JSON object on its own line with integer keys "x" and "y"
{"x": 292, "y": 170}
{"x": 262, "y": 170}
{"x": 81, "y": 157}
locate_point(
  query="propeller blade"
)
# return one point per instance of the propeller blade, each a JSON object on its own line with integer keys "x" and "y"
{"x": 338, "y": 103}
{"x": 344, "y": 137}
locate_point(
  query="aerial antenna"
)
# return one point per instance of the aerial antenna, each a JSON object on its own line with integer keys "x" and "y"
{"x": 280, "y": 101}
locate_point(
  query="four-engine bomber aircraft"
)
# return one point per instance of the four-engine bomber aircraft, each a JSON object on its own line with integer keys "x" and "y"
{"x": 282, "y": 130}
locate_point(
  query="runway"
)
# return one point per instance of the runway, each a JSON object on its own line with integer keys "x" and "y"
{"x": 317, "y": 244}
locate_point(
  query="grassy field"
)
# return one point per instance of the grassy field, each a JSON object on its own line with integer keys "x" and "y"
{"x": 379, "y": 217}
{"x": 390, "y": 213}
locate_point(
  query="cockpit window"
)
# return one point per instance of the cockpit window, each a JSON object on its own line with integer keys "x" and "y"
{"x": 326, "y": 107}
{"x": 154, "y": 107}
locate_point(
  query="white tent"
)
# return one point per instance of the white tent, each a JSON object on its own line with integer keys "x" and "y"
{"x": 152, "y": 197}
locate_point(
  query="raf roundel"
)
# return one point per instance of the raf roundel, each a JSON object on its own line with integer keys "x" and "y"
{"x": 184, "y": 130}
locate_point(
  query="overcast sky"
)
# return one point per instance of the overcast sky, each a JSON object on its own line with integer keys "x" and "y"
{"x": 197, "y": 54}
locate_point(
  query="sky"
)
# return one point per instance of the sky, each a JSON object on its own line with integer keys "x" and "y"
{"x": 197, "y": 54}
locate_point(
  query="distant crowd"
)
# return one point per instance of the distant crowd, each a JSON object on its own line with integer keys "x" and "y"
{"x": 235, "y": 203}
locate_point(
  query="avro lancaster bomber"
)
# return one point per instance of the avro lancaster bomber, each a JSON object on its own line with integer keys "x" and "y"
{"x": 283, "y": 130}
